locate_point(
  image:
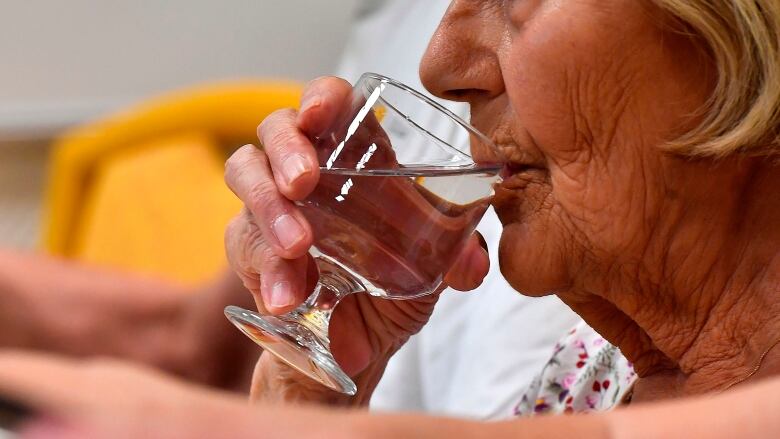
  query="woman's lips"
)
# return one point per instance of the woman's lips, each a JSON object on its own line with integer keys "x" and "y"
{"x": 505, "y": 173}
{"x": 520, "y": 163}
{"x": 518, "y": 176}
{"x": 516, "y": 195}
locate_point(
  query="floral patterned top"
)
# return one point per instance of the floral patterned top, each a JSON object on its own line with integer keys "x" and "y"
{"x": 586, "y": 373}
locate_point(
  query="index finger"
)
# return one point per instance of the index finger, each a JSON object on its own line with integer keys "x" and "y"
{"x": 323, "y": 101}
{"x": 287, "y": 135}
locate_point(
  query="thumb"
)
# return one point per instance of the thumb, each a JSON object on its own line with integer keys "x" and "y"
{"x": 471, "y": 267}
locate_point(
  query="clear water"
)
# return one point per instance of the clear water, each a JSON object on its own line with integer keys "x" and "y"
{"x": 398, "y": 231}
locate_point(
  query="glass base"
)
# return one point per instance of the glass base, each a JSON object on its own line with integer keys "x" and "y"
{"x": 294, "y": 344}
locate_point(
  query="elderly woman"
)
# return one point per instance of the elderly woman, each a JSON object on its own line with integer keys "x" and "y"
{"x": 642, "y": 137}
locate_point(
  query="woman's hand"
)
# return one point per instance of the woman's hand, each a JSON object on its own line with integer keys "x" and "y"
{"x": 267, "y": 246}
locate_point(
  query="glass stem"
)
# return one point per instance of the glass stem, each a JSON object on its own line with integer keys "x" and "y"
{"x": 334, "y": 285}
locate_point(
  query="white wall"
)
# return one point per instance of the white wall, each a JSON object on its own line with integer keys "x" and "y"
{"x": 62, "y": 61}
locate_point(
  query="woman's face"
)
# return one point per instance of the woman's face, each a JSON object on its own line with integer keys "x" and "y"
{"x": 580, "y": 95}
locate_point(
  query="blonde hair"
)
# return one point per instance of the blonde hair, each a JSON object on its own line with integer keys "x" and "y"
{"x": 743, "y": 39}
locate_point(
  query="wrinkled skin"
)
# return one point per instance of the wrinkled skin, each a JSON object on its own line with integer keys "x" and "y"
{"x": 651, "y": 249}
{"x": 581, "y": 96}
{"x": 365, "y": 331}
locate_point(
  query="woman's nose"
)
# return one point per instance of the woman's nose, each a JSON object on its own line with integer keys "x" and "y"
{"x": 460, "y": 63}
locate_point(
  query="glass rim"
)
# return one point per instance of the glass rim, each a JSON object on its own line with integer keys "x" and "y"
{"x": 426, "y": 99}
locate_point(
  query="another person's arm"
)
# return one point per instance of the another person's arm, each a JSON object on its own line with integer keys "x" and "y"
{"x": 87, "y": 399}
{"x": 52, "y": 305}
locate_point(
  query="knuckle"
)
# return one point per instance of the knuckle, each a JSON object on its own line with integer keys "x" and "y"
{"x": 242, "y": 153}
{"x": 325, "y": 82}
{"x": 261, "y": 196}
{"x": 232, "y": 162}
{"x": 264, "y": 125}
{"x": 236, "y": 225}
{"x": 240, "y": 159}
{"x": 317, "y": 81}
{"x": 233, "y": 233}
{"x": 242, "y": 238}
{"x": 273, "y": 123}
{"x": 281, "y": 139}
{"x": 259, "y": 253}
{"x": 247, "y": 174}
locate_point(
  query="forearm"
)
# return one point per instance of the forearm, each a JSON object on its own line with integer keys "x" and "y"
{"x": 413, "y": 426}
{"x": 749, "y": 412}
{"x": 47, "y": 304}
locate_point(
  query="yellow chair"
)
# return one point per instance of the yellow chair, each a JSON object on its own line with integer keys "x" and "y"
{"x": 142, "y": 190}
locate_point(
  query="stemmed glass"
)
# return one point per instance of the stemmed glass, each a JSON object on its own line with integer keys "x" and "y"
{"x": 397, "y": 199}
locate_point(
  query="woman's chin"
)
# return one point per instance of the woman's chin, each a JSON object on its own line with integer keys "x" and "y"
{"x": 531, "y": 260}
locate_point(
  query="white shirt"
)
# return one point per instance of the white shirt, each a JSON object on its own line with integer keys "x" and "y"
{"x": 481, "y": 350}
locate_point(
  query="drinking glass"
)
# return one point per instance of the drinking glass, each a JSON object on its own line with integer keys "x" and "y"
{"x": 398, "y": 197}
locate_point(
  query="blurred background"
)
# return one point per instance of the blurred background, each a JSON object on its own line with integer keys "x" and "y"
{"x": 85, "y": 89}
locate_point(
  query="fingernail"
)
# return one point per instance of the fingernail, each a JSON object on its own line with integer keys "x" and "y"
{"x": 281, "y": 295}
{"x": 294, "y": 167}
{"x": 288, "y": 231}
{"x": 310, "y": 102}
